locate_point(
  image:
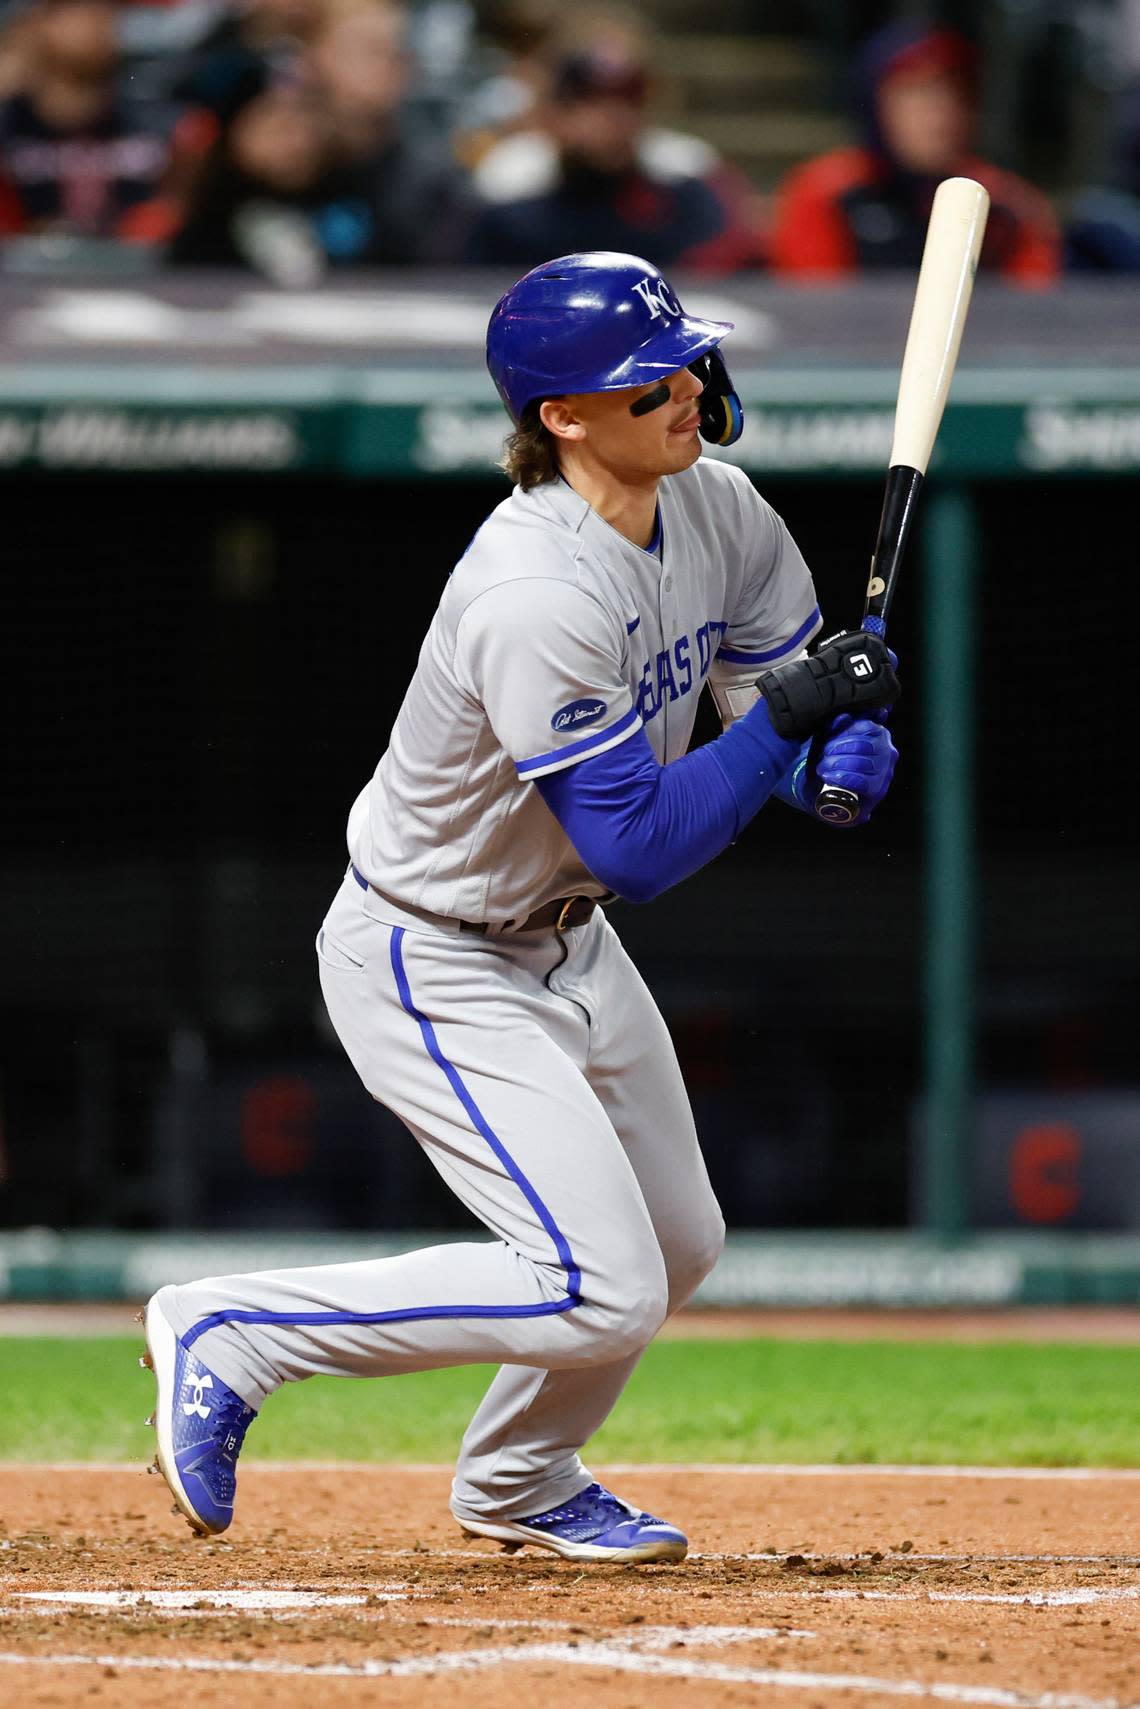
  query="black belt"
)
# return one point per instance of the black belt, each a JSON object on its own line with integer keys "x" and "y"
{"x": 563, "y": 913}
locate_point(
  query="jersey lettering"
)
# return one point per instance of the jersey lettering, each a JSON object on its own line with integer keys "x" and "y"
{"x": 708, "y": 640}
{"x": 658, "y": 683}
{"x": 646, "y": 705}
{"x": 684, "y": 664}
{"x": 665, "y": 682}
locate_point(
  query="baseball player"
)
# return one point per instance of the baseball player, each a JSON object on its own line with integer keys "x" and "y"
{"x": 536, "y": 771}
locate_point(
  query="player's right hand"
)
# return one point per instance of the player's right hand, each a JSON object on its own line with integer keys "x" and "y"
{"x": 856, "y": 755}
{"x": 850, "y": 672}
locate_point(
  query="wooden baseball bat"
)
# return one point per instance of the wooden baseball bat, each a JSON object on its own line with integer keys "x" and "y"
{"x": 941, "y": 299}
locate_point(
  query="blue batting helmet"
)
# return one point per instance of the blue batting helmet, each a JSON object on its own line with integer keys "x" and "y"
{"x": 600, "y": 321}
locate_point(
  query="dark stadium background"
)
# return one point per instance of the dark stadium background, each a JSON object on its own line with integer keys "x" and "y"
{"x": 199, "y": 675}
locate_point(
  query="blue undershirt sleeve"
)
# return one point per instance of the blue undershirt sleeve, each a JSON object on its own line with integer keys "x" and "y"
{"x": 641, "y": 827}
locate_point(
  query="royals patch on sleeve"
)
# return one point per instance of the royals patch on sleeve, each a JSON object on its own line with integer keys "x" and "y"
{"x": 578, "y": 714}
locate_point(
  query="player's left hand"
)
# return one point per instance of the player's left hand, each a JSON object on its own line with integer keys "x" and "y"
{"x": 856, "y": 754}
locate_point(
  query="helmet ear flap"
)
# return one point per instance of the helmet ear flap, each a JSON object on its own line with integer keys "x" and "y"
{"x": 722, "y": 414}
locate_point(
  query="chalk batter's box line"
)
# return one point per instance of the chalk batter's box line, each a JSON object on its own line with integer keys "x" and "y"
{"x": 264, "y": 1601}
{"x": 606, "y": 1656}
{"x": 635, "y": 1653}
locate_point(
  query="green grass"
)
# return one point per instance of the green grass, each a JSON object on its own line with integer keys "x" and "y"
{"x": 996, "y": 1404}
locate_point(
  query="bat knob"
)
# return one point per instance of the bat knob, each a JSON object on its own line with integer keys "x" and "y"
{"x": 837, "y": 806}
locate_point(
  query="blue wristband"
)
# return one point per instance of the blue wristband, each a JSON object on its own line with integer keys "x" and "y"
{"x": 793, "y": 786}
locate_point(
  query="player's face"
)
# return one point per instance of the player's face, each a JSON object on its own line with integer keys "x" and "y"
{"x": 663, "y": 441}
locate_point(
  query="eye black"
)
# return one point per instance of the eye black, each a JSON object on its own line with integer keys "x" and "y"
{"x": 652, "y": 400}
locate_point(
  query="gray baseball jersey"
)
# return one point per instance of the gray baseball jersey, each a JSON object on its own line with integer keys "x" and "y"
{"x": 555, "y": 639}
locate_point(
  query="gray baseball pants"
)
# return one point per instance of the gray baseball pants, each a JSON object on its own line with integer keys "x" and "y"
{"x": 540, "y": 1078}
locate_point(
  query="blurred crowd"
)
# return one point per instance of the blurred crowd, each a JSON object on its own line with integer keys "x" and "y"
{"x": 291, "y": 137}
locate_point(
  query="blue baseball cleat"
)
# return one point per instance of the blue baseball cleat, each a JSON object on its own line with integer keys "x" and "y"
{"x": 201, "y": 1425}
{"x": 592, "y": 1526}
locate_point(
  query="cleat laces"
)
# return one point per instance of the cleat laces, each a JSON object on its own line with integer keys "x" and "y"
{"x": 587, "y": 1515}
{"x": 228, "y": 1430}
{"x": 234, "y": 1419}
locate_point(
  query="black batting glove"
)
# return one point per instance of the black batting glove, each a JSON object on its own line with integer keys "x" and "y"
{"x": 849, "y": 672}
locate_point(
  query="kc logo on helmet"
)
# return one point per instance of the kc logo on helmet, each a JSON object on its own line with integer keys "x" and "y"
{"x": 658, "y": 298}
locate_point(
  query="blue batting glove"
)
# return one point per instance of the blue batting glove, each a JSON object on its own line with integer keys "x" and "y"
{"x": 857, "y": 754}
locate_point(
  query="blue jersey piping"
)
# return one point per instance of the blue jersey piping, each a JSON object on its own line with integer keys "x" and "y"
{"x": 734, "y": 656}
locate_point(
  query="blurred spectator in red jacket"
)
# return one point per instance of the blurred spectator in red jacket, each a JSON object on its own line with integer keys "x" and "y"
{"x": 864, "y": 209}
{"x": 327, "y": 168}
{"x": 77, "y": 156}
{"x": 596, "y": 175}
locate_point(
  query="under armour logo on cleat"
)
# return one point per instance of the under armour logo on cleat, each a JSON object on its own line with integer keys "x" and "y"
{"x": 195, "y": 1407}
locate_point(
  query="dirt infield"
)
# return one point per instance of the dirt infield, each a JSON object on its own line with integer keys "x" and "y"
{"x": 352, "y": 1585}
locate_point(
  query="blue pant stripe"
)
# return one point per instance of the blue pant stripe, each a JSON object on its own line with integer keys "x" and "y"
{"x": 547, "y": 1308}
{"x": 480, "y": 1123}
{"x": 408, "y": 1314}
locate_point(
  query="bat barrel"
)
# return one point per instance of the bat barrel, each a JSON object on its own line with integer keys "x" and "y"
{"x": 941, "y": 298}
{"x": 945, "y": 282}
